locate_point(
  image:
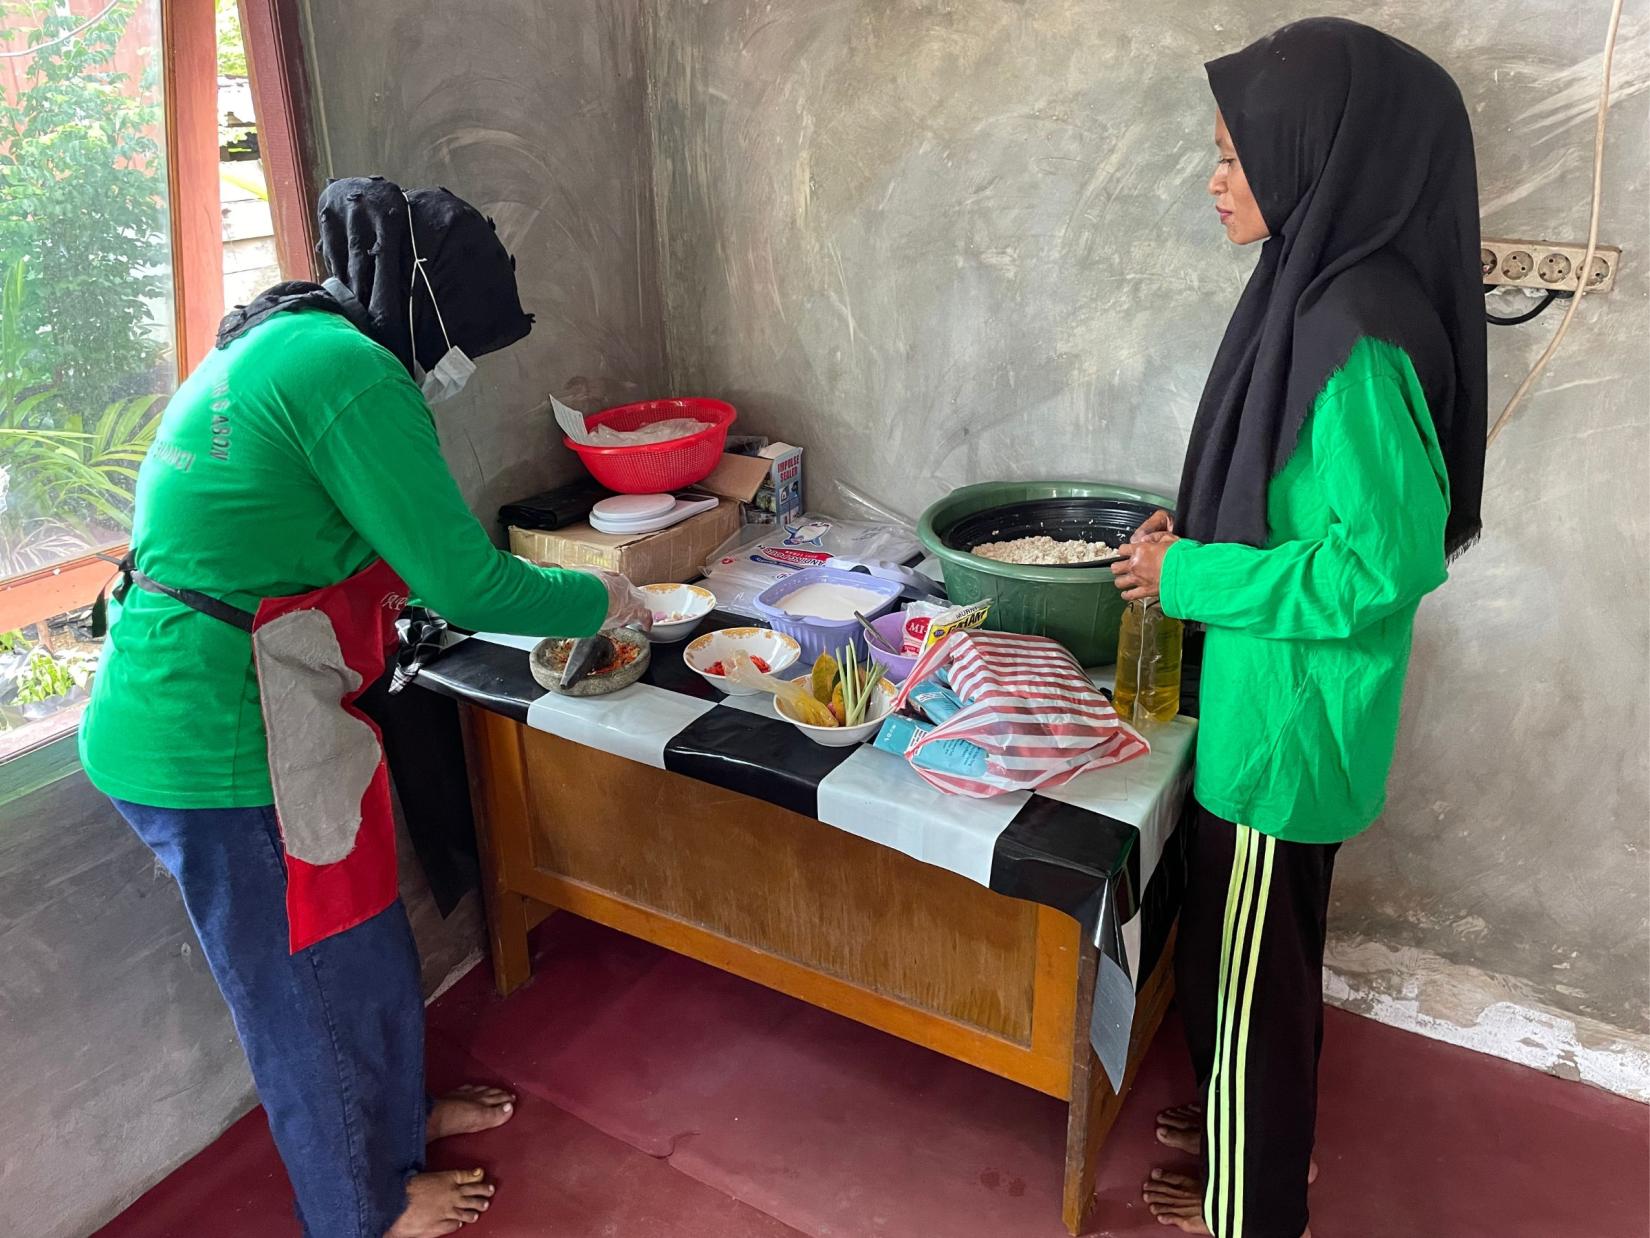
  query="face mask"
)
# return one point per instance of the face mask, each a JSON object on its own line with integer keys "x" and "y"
{"x": 454, "y": 368}
{"x": 448, "y": 377}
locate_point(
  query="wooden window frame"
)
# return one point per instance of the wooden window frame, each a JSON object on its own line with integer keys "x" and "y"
{"x": 279, "y": 79}
{"x": 189, "y": 39}
{"x": 280, "y": 97}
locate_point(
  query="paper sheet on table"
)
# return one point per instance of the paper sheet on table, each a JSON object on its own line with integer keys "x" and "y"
{"x": 1131, "y": 946}
{"x": 1146, "y": 792}
{"x": 1111, "y": 1019}
{"x": 524, "y": 643}
{"x": 878, "y": 796}
{"x": 1111, "y": 1026}
{"x": 635, "y": 723}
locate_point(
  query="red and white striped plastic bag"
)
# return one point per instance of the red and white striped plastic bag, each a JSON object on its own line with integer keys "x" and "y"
{"x": 1027, "y": 703}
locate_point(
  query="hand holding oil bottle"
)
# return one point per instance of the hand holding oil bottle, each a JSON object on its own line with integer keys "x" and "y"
{"x": 1149, "y": 642}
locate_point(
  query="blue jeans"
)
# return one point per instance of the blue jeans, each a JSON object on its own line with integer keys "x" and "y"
{"x": 334, "y": 1033}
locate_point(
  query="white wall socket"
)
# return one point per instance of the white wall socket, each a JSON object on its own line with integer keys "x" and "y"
{"x": 1551, "y": 265}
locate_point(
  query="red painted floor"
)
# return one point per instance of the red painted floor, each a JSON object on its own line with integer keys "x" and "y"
{"x": 664, "y": 1099}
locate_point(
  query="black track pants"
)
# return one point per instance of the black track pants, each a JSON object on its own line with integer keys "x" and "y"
{"x": 1249, "y": 975}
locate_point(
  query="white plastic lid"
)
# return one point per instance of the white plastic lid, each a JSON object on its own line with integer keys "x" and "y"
{"x": 633, "y": 508}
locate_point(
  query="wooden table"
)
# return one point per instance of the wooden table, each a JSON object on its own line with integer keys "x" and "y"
{"x": 768, "y": 894}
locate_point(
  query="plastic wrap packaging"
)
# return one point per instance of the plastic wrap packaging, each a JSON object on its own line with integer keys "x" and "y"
{"x": 860, "y": 503}
{"x": 1027, "y": 707}
{"x": 762, "y": 555}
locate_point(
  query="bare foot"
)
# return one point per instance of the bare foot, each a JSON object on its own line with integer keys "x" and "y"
{"x": 442, "y": 1203}
{"x": 468, "y": 1109}
{"x": 1175, "y": 1199}
{"x": 1181, "y": 1128}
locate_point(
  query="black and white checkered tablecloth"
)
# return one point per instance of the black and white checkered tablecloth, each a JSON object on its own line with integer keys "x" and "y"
{"x": 1105, "y": 848}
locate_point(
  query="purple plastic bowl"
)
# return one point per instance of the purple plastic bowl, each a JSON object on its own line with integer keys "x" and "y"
{"x": 817, "y": 636}
{"x": 891, "y": 627}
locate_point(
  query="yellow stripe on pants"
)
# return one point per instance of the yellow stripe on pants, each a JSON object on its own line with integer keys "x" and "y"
{"x": 1219, "y": 1116}
{"x": 1214, "y": 1114}
{"x": 1246, "y": 900}
{"x": 1269, "y": 847}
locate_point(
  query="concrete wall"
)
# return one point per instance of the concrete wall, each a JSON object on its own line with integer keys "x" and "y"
{"x": 954, "y": 241}
{"x": 533, "y": 112}
{"x": 118, "y": 1055}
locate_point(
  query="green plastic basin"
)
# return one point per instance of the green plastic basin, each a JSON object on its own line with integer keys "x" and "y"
{"x": 1078, "y": 606}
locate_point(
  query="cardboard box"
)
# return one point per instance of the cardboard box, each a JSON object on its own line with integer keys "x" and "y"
{"x": 768, "y": 484}
{"x": 670, "y": 556}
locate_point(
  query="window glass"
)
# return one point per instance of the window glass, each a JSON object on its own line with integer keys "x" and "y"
{"x": 88, "y": 351}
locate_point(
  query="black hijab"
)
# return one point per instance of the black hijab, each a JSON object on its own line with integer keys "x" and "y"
{"x": 367, "y": 229}
{"x": 1359, "y": 153}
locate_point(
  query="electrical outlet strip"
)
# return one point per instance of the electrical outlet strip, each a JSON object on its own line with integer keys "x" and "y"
{"x": 1550, "y": 265}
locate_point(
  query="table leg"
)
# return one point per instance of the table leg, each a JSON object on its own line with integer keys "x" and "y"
{"x": 507, "y": 937}
{"x": 1094, "y": 1106}
{"x": 498, "y": 791}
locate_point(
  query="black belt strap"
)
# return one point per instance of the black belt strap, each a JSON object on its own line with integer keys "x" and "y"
{"x": 234, "y": 616}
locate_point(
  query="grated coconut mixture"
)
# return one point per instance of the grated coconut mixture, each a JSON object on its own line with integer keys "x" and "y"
{"x": 1034, "y": 550}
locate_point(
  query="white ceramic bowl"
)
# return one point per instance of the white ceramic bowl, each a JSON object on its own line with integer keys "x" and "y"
{"x": 689, "y": 601}
{"x": 844, "y": 736}
{"x": 779, "y": 651}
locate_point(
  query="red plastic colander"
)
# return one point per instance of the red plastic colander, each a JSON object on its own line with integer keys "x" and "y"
{"x": 657, "y": 468}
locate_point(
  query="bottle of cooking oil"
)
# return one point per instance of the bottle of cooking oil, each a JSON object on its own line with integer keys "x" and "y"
{"x": 1148, "y": 665}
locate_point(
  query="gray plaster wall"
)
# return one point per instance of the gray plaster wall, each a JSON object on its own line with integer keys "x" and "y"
{"x": 959, "y": 240}
{"x": 534, "y": 112}
{"x": 118, "y": 1056}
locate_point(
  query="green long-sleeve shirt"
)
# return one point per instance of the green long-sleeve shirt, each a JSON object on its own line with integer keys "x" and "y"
{"x": 287, "y": 462}
{"x": 1308, "y": 639}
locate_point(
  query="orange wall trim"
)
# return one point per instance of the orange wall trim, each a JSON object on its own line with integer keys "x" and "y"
{"x": 38, "y": 596}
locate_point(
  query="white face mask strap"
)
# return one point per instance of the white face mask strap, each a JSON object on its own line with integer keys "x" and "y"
{"x": 419, "y": 273}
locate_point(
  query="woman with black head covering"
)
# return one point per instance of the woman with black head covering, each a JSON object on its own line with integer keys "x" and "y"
{"x": 1334, "y": 467}
{"x": 295, "y": 496}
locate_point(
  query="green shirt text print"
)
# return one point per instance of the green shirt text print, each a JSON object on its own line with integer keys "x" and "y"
{"x": 287, "y": 462}
{"x": 1308, "y": 638}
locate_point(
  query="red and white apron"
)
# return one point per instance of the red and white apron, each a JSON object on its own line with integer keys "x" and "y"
{"x": 315, "y": 654}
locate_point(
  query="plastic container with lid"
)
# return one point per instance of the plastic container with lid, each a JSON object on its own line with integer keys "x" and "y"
{"x": 818, "y": 634}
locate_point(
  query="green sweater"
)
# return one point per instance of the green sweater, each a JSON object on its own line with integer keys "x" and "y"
{"x": 288, "y": 461}
{"x": 1308, "y": 638}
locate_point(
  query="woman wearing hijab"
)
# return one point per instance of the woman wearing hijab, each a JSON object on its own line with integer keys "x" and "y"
{"x": 295, "y": 496}
{"x": 1335, "y": 466}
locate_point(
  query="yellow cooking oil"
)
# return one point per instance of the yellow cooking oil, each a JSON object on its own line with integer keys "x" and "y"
{"x": 1148, "y": 665}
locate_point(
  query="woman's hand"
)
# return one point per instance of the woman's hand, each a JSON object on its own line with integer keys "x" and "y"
{"x": 1158, "y": 522}
{"x": 627, "y": 606}
{"x": 1140, "y": 575}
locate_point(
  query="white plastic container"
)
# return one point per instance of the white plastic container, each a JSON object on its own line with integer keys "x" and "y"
{"x": 817, "y": 634}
